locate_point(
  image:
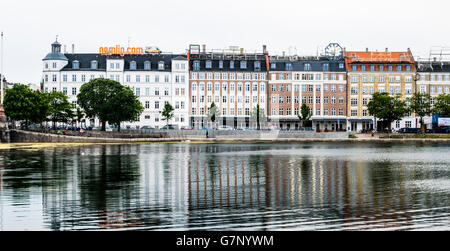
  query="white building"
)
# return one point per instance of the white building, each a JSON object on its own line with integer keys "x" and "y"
{"x": 155, "y": 78}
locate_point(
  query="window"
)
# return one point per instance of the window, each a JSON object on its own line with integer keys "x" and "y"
{"x": 111, "y": 65}
{"x": 138, "y": 91}
{"x": 93, "y": 64}
{"x": 64, "y": 78}
{"x": 257, "y": 65}
{"x": 208, "y": 64}
{"x": 288, "y": 67}
{"x": 133, "y": 65}
{"x": 273, "y": 66}
{"x": 147, "y": 65}
{"x": 54, "y": 77}
{"x": 408, "y": 124}
{"x": 307, "y": 67}
{"x": 83, "y": 78}
{"x": 65, "y": 90}
{"x": 74, "y": 78}
{"x": 74, "y": 91}
{"x": 231, "y": 64}
{"x": 76, "y": 65}
{"x": 243, "y": 64}
{"x": 325, "y": 67}
{"x": 161, "y": 65}
{"x": 196, "y": 65}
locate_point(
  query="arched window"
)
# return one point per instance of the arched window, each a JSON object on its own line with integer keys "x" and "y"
{"x": 133, "y": 65}
{"x": 161, "y": 65}
{"x": 76, "y": 64}
{"x": 147, "y": 65}
{"x": 94, "y": 64}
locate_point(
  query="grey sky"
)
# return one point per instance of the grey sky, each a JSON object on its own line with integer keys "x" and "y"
{"x": 30, "y": 26}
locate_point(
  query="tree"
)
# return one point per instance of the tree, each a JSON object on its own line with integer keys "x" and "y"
{"x": 213, "y": 113}
{"x": 126, "y": 107}
{"x": 167, "y": 112}
{"x": 305, "y": 114}
{"x": 23, "y": 104}
{"x": 79, "y": 115}
{"x": 420, "y": 105}
{"x": 60, "y": 108}
{"x": 442, "y": 105}
{"x": 109, "y": 101}
{"x": 257, "y": 115}
{"x": 387, "y": 108}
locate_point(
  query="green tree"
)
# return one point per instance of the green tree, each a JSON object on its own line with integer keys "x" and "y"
{"x": 79, "y": 115}
{"x": 167, "y": 112}
{"x": 213, "y": 113}
{"x": 109, "y": 101}
{"x": 258, "y": 115}
{"x": 60, "y": 108}
{"x": 126, "y": 107}
{"x": 442, "y": 105}
{"x": 387, "y": 108}
{"x": 23, "y": 104}
{"x": 305, "y": 114}
{"x": 420, "y": 105}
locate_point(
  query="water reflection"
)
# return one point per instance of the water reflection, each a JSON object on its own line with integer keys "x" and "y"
{"x": 227, "y": 186}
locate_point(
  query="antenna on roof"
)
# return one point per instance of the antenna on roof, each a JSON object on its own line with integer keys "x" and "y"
{"x": 56, "y": 38}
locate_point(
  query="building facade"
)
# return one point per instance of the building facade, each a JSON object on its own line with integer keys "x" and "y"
{"x": 316, "y": 81}
{"x": 233, "y": 80}
{"x": 433, "y": 78}
{"x": 156, "y": 78}
{"x": 370, "y": 72}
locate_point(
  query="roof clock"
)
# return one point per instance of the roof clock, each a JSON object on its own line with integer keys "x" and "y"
{"x": 333, "y": 51}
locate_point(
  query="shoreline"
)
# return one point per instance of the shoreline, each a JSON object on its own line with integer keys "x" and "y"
{"x": 34, "y": 145}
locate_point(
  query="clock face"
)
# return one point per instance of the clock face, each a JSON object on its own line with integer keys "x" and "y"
{"x": 333, "y": 51}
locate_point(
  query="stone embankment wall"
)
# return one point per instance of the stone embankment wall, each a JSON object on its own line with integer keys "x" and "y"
{"x": 20, "y": 136}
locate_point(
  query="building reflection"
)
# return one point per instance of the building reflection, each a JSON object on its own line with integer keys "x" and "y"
{"x": 180, "y": 185}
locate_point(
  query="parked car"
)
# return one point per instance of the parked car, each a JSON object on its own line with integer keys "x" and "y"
{"x": 170, "y": 127}
{"x": 186, "y": 128}
{"x": 409, "y": 130}
{"x": 147, "y": 128}
{"x": 225, "y": 128}
{"x": 206, "y": 128}
{"x": 442, "y": 129}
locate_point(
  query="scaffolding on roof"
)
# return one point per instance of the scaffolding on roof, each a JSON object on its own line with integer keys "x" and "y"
{"x": 438, "y": 56}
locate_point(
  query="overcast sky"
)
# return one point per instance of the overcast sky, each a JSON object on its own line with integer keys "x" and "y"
{"x": 283, "y": 25}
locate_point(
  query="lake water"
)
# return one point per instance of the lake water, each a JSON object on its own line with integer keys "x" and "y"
{"x": 227, "y": 186}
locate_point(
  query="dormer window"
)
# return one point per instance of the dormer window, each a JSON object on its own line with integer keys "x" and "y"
{"x": 220, "y": 64}
{"x": 273, "y": 66}
{"x": 196, "y": 65}
{"x": 147, "y": 65}
{"x": 76, "y": 64}
{"x": 243, "y": 64}
{"x": 133, "y": 65}
{"x": 307, "y": 67}
{"x": 326, "y": 67}
{"x": 231, "y": 64}
{"x": 208, "y": 64}
{"x": 94, "y": 65}
{"x": 257, "y": 65}
{"x": 161, "y": 65}
{"x": 288, "y": 67}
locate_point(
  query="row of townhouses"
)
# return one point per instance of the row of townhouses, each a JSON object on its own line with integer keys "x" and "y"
{"x": 337, "y": 85}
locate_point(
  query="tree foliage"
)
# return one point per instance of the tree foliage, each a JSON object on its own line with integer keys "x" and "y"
{"x": 60, "y": 108}
{"x": 420, "y": 105}
{"x": 109, "y": 101}
{"x": 387, "y": 108}
{"x": 442, "y": 105}
{"x": 213, "y": 113}
{"x": 167, "y": 112}
{"x": 305, "y": 114}
{"x": 23, "y": 104}
{"x": 258, "y": 114}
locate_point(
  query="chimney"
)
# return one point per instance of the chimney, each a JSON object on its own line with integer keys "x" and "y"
{"x": 242, "y": 50}
{"x": 73, "y": 48}
{"x": 264, "y": 49}
{"x": 386, "y": 49}
{"x": 283, "y": 53}
{"x": 367, "y": 49}
{"x": 204, "y": 48}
